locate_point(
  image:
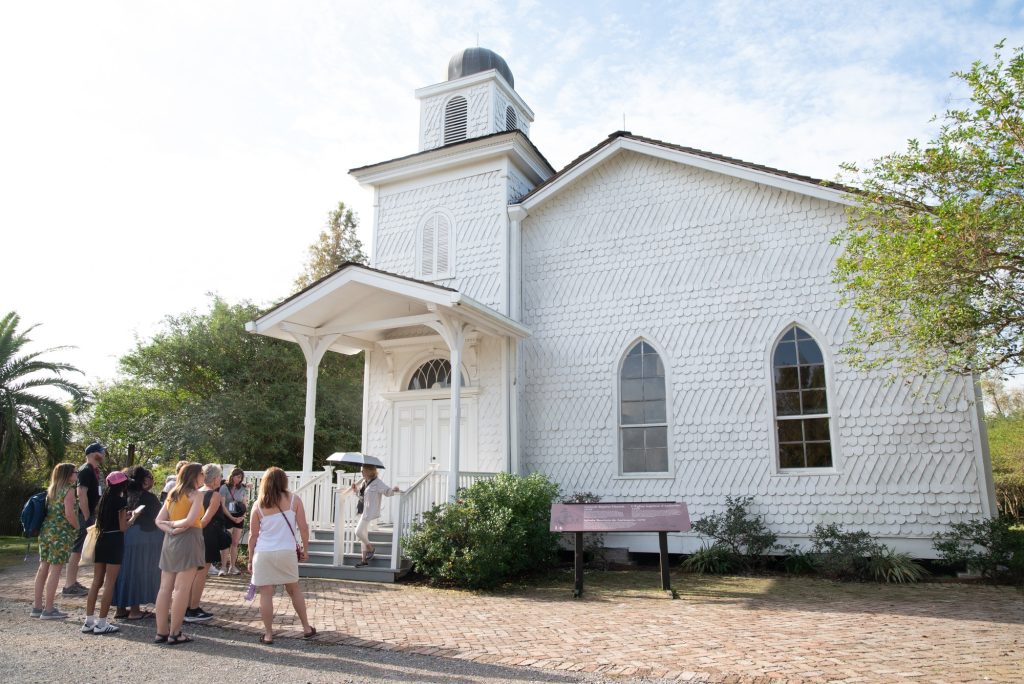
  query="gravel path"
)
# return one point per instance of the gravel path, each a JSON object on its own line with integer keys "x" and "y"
{"x": 47, "y": 651}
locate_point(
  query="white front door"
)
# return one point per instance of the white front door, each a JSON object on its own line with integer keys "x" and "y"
{"x": 420, "y": 437}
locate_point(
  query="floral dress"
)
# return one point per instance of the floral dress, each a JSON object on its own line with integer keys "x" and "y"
{"x": 57, "y": 536}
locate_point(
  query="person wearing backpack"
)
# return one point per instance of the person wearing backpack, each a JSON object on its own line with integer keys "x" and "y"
{"x": 57, "y": 536}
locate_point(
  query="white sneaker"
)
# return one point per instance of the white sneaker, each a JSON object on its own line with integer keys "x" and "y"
{"x": 214, "y": 571}
{"x": 88, "y": 627}
{"x": 105, "y": 629}
{"x": 234, "y": 570}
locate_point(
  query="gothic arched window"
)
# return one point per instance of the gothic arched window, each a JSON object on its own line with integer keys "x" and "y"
{"x": 801, "y": 402}
{"x": 643, "y": 420}
{"x": 434, "y": 374}
{"x": 455, "y": 120}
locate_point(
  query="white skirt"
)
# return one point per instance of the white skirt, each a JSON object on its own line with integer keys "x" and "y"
{"x": 275, "y": 567}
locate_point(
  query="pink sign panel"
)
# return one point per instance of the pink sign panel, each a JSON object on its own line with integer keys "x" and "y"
{"x": 620, "y": 517}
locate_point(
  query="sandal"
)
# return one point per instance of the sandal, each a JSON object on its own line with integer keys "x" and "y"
{"x": 141, "y": 616}
{"x": 178, "y": 638}
{"x": 121, "y": 616}
{"x": 161, "y": 639}
{"x": 310, "y": 634}
{"x": 265, "y": 641}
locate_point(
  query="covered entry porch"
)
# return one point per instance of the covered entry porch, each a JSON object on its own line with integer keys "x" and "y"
{"x": 427, "y": 405}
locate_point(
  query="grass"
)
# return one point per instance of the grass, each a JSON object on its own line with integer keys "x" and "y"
{"x": 12, "y": 551}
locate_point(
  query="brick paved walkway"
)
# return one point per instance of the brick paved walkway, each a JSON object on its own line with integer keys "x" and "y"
{"x": 744, "y": 630}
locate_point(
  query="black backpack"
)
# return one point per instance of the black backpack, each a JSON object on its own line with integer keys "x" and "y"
{"x": 33, "y": 513}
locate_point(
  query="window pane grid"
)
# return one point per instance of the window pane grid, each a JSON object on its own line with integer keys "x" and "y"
{"x": 642, "y": 411}
{"x": 800, "y": 393}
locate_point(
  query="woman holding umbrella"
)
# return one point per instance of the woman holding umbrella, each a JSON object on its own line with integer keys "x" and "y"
{"x": 370, "y": 489}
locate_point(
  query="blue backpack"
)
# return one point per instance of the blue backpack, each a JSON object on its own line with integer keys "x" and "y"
{"x": 32, "y": 514}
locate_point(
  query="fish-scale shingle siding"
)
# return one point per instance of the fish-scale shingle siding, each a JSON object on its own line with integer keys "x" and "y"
{"x": 712, "y": 269}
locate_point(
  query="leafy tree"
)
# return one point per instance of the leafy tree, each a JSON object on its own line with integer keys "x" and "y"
{"x": 1005, "y": 423}
{"x": 934, "y": 248}
{"x": 32, "y": 419}
{"x": 337, "y": 244}
{"x": 205, "y": 388}
{"x": 1001, "y": 400}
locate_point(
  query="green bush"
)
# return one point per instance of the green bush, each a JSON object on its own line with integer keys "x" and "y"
{"x": 711, "y": 560}
{"x": 496, "y": 529}
{"x": 1010, "y": 495}
{"x": 859, "y": 556}
{"x": 796, "y": 561}
{"x": 842, "y": 555}
{"x": 744, "y": 536}
{"x": 894, "y": 568}
{"x": 991, "y": 546}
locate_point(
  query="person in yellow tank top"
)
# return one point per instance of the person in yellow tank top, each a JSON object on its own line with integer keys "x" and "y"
{"x": 182, "y": 554}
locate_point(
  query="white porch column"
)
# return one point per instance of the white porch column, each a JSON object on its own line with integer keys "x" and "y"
{"x": 453, "y": 332}
{"x": 313, "y": 348}
{"x": 455, "y": 413}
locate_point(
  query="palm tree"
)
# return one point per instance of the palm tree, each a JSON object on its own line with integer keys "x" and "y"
{"x": 31, "y": 421}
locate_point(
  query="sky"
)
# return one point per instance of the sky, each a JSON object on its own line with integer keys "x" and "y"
{"x": 153, "y": 153}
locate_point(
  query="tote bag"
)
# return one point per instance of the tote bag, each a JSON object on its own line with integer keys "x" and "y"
{"x": 92, "y": 535}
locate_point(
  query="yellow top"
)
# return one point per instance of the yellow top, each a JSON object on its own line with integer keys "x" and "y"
{"x": 179, "y": 509}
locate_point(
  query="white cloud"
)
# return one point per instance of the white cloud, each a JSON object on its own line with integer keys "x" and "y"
{"x": 152, "y": 152}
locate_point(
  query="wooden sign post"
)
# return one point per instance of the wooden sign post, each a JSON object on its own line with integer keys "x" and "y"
{"x": 660, "y": 517}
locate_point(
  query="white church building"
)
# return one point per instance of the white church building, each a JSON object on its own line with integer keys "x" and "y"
{"x": 650, "y": 323}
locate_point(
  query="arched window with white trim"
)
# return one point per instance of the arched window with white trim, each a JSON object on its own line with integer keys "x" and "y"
{"x": 801, "y": 402}
{"x": 643, "y": 417}
{"x": 455, "y": 118}
{"x": 435, "y": 254}
{"x": 434, "y": 374}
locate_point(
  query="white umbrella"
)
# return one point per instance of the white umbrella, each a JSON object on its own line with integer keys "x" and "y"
{"x": 354, "y": 458}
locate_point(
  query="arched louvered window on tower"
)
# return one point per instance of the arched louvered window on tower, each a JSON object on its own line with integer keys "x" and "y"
{"x": 511, "y": 121}
{"x": 434, "y": 374}
{"x": 435, "y": 253}
{"x": 455, "y": 113}
{"x": 801, "y": 402}
{"x": 643, "y": 418}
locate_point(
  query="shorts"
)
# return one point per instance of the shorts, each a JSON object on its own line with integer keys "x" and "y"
{"x": 110, "y": 547}
{"x": 83, "y": 529}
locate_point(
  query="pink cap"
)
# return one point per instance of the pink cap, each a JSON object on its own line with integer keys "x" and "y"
{"x": 116, "y": 478}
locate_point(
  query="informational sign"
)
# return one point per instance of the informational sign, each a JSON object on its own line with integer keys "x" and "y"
{"x": 620, "y": 517}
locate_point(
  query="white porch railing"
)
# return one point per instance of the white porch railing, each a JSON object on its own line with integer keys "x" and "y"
{"x": 327, "y": 498}
{"x": 426, "y": 492}
{"x": 315, "y": 490}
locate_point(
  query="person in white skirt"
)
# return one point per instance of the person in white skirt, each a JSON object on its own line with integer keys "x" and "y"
{"x": 274, "y": 552}
{"x": 370, "y": 489}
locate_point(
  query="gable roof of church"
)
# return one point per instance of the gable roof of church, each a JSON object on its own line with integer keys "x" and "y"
{"x": 721, "y": 163}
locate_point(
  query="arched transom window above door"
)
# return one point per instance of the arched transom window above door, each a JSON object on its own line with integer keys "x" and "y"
{"x": 434, "y": 374}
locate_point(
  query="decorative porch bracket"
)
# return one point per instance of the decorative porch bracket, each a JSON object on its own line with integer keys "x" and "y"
{"x": 313, "y": 347}
{"x": 453, "y": 332}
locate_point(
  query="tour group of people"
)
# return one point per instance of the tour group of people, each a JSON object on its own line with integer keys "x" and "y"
{"x": 160, "y": 550}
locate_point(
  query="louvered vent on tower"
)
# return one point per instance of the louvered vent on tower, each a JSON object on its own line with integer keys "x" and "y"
{"x": 511, "y": 122}
{"x": 435, "y": 247}
{"x": 455, "y": 120}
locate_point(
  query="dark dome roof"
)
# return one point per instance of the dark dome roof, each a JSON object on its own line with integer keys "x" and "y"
{"x": 474, "y": 60}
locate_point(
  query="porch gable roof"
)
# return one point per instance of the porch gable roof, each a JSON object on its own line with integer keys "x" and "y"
{"x": 360, "y": 304}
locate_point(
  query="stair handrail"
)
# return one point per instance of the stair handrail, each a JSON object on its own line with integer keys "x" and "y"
{"x": 316, "y": 498}
{"x": 411, "y": 503}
